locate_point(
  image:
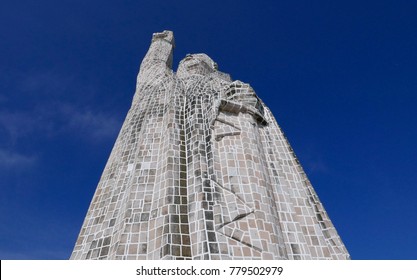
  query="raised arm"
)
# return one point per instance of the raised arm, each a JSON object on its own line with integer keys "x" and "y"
{"x": 159, "y": 56}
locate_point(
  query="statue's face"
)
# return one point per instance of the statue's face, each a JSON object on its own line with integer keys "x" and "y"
{"x": 197, "y": 64}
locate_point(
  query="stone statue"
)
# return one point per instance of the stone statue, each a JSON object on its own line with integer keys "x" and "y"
{"x": 201, "y": 170}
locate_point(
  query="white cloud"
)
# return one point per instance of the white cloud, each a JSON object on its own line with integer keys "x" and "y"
{"x": 317, "y": 165}
{"x": 18, "y": 124}
{"x": 92, "y": 124}
{"x": 46, "y": 82}
{"x": 59, "y": 104}
{"x": 49, "y": 120}
{"x": 34, "y": 254}
{"x": 11, "y": 159}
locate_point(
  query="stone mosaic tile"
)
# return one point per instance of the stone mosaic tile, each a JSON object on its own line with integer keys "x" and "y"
{"x": 201, "y": 170}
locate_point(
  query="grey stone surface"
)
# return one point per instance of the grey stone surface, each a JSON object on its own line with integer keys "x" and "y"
{"x": 201, "y": 170}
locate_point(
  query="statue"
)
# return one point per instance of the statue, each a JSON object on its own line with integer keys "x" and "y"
{"x": 201, "y": 170}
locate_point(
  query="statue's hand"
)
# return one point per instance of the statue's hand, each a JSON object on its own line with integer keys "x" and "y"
{"x": 165, "y": 35}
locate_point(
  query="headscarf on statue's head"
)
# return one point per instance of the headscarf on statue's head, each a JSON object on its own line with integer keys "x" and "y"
{"x": 196, "y": 64}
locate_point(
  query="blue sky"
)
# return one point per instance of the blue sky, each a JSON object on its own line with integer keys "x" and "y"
{"x": 339, "y": 76}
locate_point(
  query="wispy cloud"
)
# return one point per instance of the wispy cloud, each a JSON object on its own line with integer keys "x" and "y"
{"x": 18, "y": 124}
{"x": 56, "y": 119}
{"x": 56, "y": 108}
{"x": 35, "y": 254}
{"x": 317, "y": 165}
{"x": 11, "y": 159}
{"x": 45, "y": 82}
{"x": 92, "y": 124}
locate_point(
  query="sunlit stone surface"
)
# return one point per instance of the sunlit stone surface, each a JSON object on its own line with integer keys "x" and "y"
{"x": 201, "y": 170}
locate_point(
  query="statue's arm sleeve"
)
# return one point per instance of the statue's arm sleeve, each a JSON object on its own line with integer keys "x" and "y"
{"x": 159, "y": 56}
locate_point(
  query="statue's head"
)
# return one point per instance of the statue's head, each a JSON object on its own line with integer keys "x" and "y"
{"x": 200, "y": 64}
